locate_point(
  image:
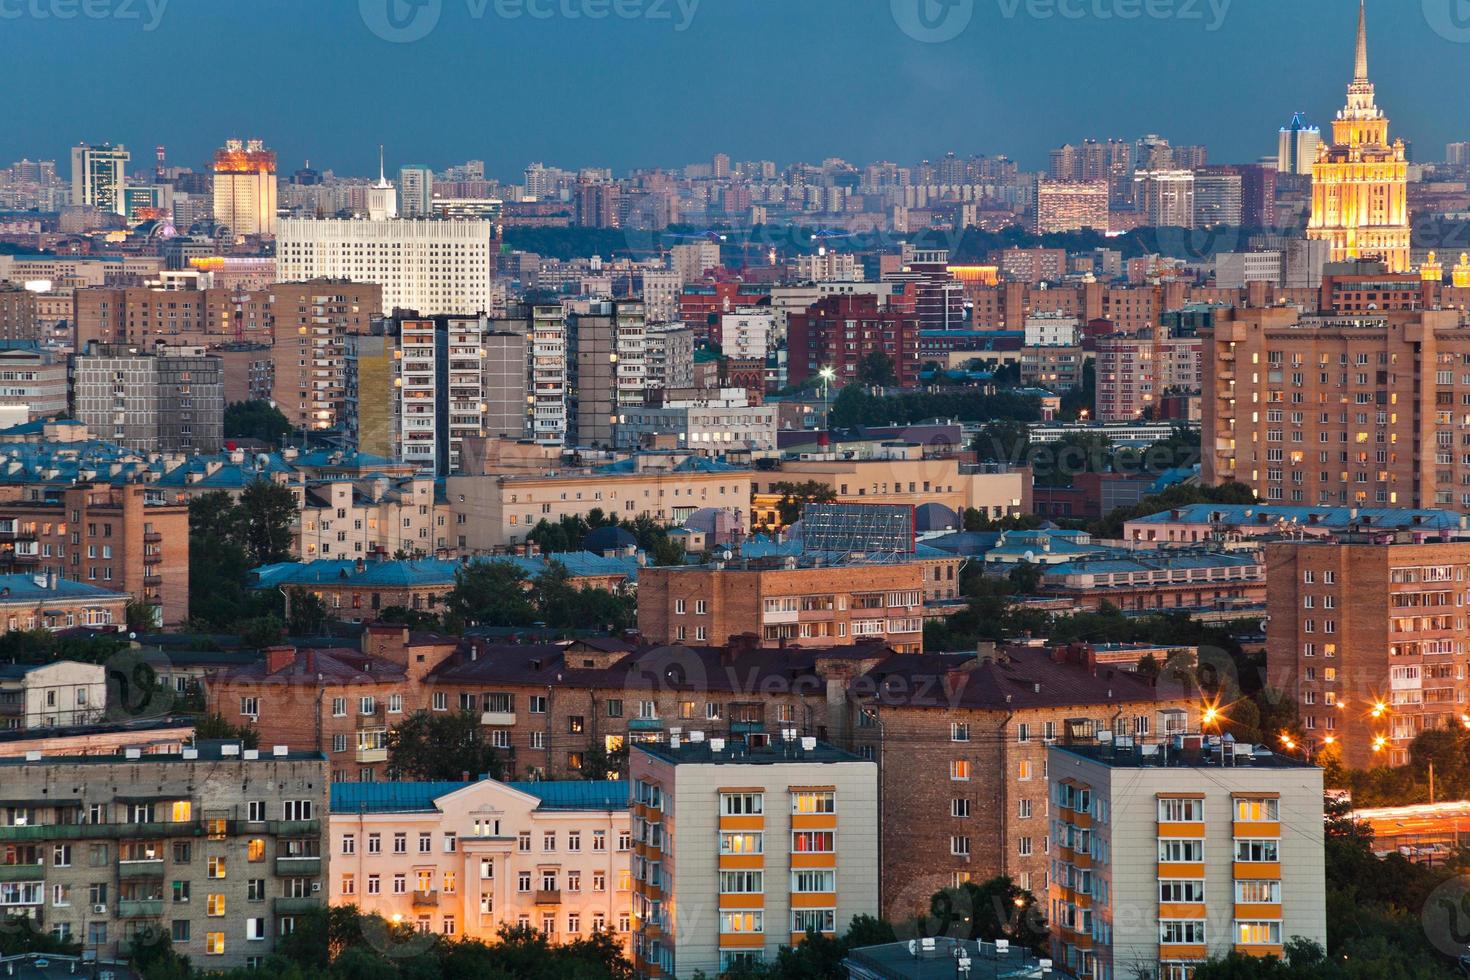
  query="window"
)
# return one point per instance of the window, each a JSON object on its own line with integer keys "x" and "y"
{"x": 813, "y": 920}
{"x": 812, "y": 842}
{"x": 741, "y": 843}
{"x": 742, "y": 804}
{"x": 375, "y": 843}
{"x": 959, "y": 732}
{"x": 523, "y": 881}
{"x": 400, "y": 843}
{"x": 1190, "y": 932}
{"x": 959, "y": 808}
{"x": 1257, "y": 892}
{"x": 214, "y": 943}
{"x": 214, "y": 905}
{"x": 959, "y": 846}
{"x": 1025, "y": 847}
{"x": 1023, "y": 770}
{"x": 426, "y": 843}
{"x": 216, "y": 867}
{"x": 1181, "y": 811}
{"x": 1258, "y": 933}
{"x": 959, "y": 770}
{"x": 1176, "y": 850}
{"x": 737, "y": 922}
{"x": 742, "y": 882}
{"x": 813, "y": 801}
{"x": 349, "y": 843}
{"x": 1176, "y": 890}
{"x": 1256, "y": 851}
{"x": 1257, "y": 810}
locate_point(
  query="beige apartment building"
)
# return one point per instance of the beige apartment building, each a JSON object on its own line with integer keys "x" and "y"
{"x": 466, "y": 859}
{"x": 902, "y": 475}
{"x": 58, "y": 694}
{"x": 1361, "y": 410}
{"x": 739, "y": 851}
{"x": 218, "y": 847}
{"x": 1368, "y": 634}
{"x": 376, "y": 515}
{"x": 499, "y": 510}
{"x": 1165, "y": 856}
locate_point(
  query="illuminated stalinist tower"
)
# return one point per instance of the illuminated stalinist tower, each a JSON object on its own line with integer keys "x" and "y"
{"x": 1360, "y": 181}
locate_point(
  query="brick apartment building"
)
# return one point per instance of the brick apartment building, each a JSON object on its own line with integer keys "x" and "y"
{"x": 101, "y": 535}
{"x": 839, "y": 331}
{"x": 546, "y": 707}
{"x": 1360, "y": 409}
{"x": 961, "y": 742}
{"x": 815, "y": 605}
{"x": 1367, "y": 634}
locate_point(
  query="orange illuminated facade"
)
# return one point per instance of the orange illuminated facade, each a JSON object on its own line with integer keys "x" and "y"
{"x": 245, "y": 188}
{"x": 1360, "y": 181}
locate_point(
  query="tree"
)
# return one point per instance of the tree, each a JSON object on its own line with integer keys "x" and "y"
{"x": 990, "y": 910}
{"x": 491, "y": 593}
{"x": 308, "y": 614}
{"x": 795, "y": 497}
{"x": 876, "y": 370}
{"x": 598, "y": 763}
{"x": 441, "y": 747}
{"x": 1004, "y": 441}
{"x": 214, "y": 727}
{"x": 141, "y": 617}
{"x": 265, "y": 514}
{"x": 258, "y": 420}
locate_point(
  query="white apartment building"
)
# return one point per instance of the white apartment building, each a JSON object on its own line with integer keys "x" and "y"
{"x": 690, "y": 261}
{"x": 669, "y": 348}
{"x": 747, "y": 332}
{"x": 661, "y": 288}
{"x": 357, "y": 518}
{"x": 711, "y": 423}
{"x": 427, "y": 265}
{"x": 62, "y": 694}
{"x": 464, "y": 859}
{"x": 1052, "y": 329}
{"x": 826, "y": 266}
{"x": 548, "y": 374}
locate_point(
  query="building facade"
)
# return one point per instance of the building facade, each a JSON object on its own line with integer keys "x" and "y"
{"x": 169, "y": 399}
{"x": 738, "y": 852}
{"x": 1169, "y": 855}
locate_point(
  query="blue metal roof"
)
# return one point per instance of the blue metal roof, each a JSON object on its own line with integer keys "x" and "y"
{"x": 1383, "y": 517}
{"x": 560, "y": 794}
{"x": 431, "y": 571}
{"x": 23, "y": 588}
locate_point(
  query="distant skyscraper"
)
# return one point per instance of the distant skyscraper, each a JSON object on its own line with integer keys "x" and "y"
{"x": 1166, "y": 197}
{"x": 98, "y": 175}
{"x": 1457, "y": 154}
{"x": 1217, "y": 197}
{"x": 1070, "y": 206}
{"x": 1297, "y": 147}
{"x": 415, "y": 191}
{"x": 1360, "y": 183}
{"x": 245, "y": 188}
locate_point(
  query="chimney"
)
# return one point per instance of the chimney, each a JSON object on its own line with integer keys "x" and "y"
{"x": 985, "y": 650}
{"x": 279, "y": 658}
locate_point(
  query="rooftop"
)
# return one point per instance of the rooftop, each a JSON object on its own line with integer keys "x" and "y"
{"x": 562, "y": 794}
{"x": 202, "y": 752}
{"x": 1332, "y": 517}
{"x": 938, "y": 958}
{"x": 1185, "y": 752}
{"x": 718, "y": 751}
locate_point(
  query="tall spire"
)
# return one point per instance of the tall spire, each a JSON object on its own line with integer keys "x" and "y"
{"x": 1360, "y": 68}
{"x": 383, "y": 176}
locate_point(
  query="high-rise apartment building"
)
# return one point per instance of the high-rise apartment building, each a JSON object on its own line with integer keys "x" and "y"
{"x": 1166, "y": 197}
{"x": 841, "y": 330}
{"x": 1356, "y": 408}
{"x": 1360, "y": 183}
{"x": 1218, "y": 197}
{"x": 454, "y": 377}
{"x": 168, "y": 399}
{"x": 435, "y": 266}
{"x": 1127, "y": 380}
{"x": 740, "y": 850}
{"x": 416, "y": 191}
{"x": 98, "y": 176}
{"x": 607, "y": 355}
{"x": 1165, "y": 856}
{"x": 1070, "y": 206}
{"x": 245, "y": 188}
{"x": 310, "y": 323}
{"x": 1368, "y": 636}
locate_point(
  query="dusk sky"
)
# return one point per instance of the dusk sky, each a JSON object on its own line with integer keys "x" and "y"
{"x": 758, "y": 79}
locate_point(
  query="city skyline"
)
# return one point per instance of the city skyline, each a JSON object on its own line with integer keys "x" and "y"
{"x": 887, "y": 109}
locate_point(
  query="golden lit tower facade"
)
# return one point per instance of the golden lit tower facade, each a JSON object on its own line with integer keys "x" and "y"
{"x": 1360, "y": 181}
{"x": 245, "y": 188}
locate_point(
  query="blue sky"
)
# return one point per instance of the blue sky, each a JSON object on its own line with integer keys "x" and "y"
{"x": 650, "y": 85}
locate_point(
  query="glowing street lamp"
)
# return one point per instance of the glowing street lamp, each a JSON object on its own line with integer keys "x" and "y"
{"x": 828, "y": 374}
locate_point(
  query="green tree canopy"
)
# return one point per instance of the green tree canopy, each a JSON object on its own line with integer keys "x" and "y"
{"x": 441, "y": 747}
{"x": 258, "y": 420}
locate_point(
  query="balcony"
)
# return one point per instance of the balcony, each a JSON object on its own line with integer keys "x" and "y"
{"x": 152, "y": 537}
{"x": 22, "y": 872}
{"x": 152, "y": 579}
{"x": 127, "y": 870}
{"x": 152, "y": 558}
{"x": 294, "y": 906}
{"x": 294, "y": 828}
{"x": 100, "y": 831}
{"x": 498, "y": 718}
{"x": 140, "y": 908}
{"x": 372, "y": 755}
{"x": 429, "y": 899}
{"x": 548, "y": 896}
{"x": 299, "y": 867}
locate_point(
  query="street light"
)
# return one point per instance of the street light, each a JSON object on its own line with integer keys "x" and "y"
{"x": 827, "y": 374}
